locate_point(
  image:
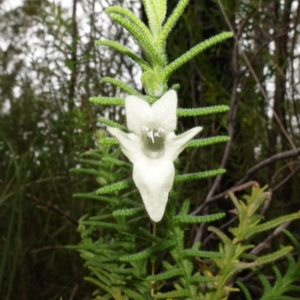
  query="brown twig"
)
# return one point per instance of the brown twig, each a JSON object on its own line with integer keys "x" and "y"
{"x": 243, "y": 186}
{"x": 35, "y": 251}
{"x": 53, "y": 208}
{"x": 251, "y": 172}
{"x": 47, "y": 204}
{"x": 231, "y": 123}
{"x": 222, "y": 227}
{"x": 269, "y": 161}
{"x": 260, "y": 86}
{"x": 267, "y": 242}
{"x": 287, "y": 178}
{"x": 74, "y": 291}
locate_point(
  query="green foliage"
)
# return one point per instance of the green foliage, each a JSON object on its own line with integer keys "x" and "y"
{"x": 107, "y": 100}
{"x": 152, "y": 41}
{"x": 234, "y": 250}
{"x": 117, "y": 244}
{"x": 46, "y": 121}
{"x": 207, "y": 141}
{"x": 187, "y": 112}
{"x": 284, "y": 284}
{"x": 140, "y": 246}
{"x": 198, "y": 175}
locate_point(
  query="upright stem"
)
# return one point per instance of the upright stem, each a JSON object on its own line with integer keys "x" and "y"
{"x": 73, "y": 79}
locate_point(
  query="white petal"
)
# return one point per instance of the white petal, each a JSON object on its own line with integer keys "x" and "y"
{"x": 131, "y": 145}
{"x": 164, "y": 112}
{"x": 138, "y": 111}
{"x": 161, "y": 114}
{"x": 174, "y": 145}
{"x": 154, "y": 179}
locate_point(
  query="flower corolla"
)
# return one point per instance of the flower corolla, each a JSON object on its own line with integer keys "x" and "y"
{"x": 152, "y": 146}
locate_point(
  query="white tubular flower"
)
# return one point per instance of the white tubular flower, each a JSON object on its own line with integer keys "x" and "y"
{"x": 152, "y": 146}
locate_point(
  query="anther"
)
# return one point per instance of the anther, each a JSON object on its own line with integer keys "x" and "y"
{"x": 159, "y": 131}
{"x": 144, "y": 128}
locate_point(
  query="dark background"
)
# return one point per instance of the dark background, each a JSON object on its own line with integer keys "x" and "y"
{"x": 50, "y": 67}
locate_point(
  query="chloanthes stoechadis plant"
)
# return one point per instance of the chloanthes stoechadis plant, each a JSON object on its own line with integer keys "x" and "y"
{"x": 135, "y": 246}
{"x": 151, "y": 144}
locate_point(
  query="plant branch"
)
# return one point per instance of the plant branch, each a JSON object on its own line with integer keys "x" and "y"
{"x": 266, "y": 243}
{"x": 253, "y": 170}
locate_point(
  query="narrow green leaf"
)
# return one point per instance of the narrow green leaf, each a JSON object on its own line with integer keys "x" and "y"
{"x": 94, "y": 196}
{"x": 86, "y": 171}
{"x": 171, "y": 21}
{"x": 92, "y": 162}
{"x": 146, "y": 44}
{"x": 173, "y": 295}
{"x": 104, "y": 225}
{"x": 147, "y": 296}
{"x": 207, "y": 141}
{"x": 132, "y": 18}
{"x": 268, "y": 225}
{"x": 197, "y": 219}
{"x": 193, "y": 52}
{"x": 121, "y": 185}
{"x": 166, "y": 275}
{"x": 202, "y": 279}
{"x": 149, "y": 252}
{"x": 128, "y": 212}
{"x": 294, "y": 288}
{"x": 203, "y": 111}
{"x": 245, "y": 290}
{"x": 93, "y": 153}
{"x": 118, "y": 270}
{"x": 100, "y": 217}
{"x": 277, "y": 274}
{"x": 221, "y": 235}
{"x": 199, "y": 175}
{"x": 107, "y": 100}
{"x": 98, "y": 283}
{"x": 155, "y": 11}
{"x": 126, "y": 51}
{"x": 280, "y": 297}
{"x": 293, "y": 239}
{"x": 185, "y": 207}
{"x": 238, "y": 205}
{"x": 132, "y": 294}
{"x": 111, "y": 123}
{"x": 167, "y": 265}
{"x": 273, "y": 256}
{"x": 107, "y": 141}
{"x": 123, "y": 86}
{"x": 175, "y": 87}
{"x": 117, "y": 162}
{"x": 111, "y": 277}
{"x": 147, "y": 235}
{"x": 276, "y": 297}
{"x": 199, "y": 253}
{"x": 196, "y": 246}
{"x": 265, "y": 259}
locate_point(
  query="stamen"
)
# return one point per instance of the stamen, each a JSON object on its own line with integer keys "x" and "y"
{"x": 144, "y": 128}
{"x": 159, "y": 131}
{"x": 150, "y": 135}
